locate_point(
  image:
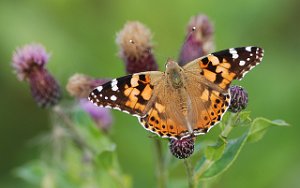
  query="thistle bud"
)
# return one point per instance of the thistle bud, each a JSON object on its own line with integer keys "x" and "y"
{"x": 183, "y": 148}
{"x": 80, "y": 85}
{"x": 29, "y": 64}
{"x": 199, "y": 39}
{"x": 239, "y": 99}
{"x": 135, "y": 48}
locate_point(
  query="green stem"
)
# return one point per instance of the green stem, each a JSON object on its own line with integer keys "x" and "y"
{"x": 161, "y": 173}
{"x": 71, "y": 127}
{"x": 207, "y": 163}
{"x": 190, "y": 173}
{"x": 224, "y": 134}
{"x": 229, "y": 125}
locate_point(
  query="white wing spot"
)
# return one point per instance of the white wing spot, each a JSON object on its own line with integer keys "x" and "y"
{"x": 114, "y": 82}
{"x": 106, "y": 97}
{"x": 242, "y": 63}
{"x": 251, "y": 54}
{"x": 113, "y": 98}
{"x": 233, "y": 52}
{"x": 234, "y": 56}
{"x": 115, "y": 88}
{"x": 99, "y": 88}
{"x": 248, "y": 48}
{"x": 248, "y": 59}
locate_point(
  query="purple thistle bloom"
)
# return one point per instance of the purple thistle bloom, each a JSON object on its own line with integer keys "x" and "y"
{"x": 102, "y": 116}
{"x": 29, "y": 63}
{"x": 183, "y": 148}
{"x": 135, "y": 48}
{"x": 27, "y": 57}
{"x": 199, "y": 39}
{"x": 239, "y": 99}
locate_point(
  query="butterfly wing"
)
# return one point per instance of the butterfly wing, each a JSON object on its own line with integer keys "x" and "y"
{"x": 130, "y": 94}
{"x": 145, "y": 95}
{"x": 208, "y": 79}
{"x": 220, "y": 68}
{"x": 166, "y": 116}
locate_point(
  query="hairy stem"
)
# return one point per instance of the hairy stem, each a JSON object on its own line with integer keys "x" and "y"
{"x": 207, "y": 163}
{"x": 190, "y": 173}
{"x": 71, "y": 127}
{"x": 161, "y": 173}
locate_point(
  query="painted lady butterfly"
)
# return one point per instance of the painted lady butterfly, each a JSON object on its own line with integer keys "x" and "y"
{"x": 182, "y": 101}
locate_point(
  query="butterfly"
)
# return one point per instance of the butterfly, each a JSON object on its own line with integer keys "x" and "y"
{"x": 182, "y": 101}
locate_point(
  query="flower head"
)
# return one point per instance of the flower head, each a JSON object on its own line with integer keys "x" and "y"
{"x": 80, "y": 85}
{"x": 182, "y": 148}
{"x": 26, "y": 58}
{"x": 29, "y": 63}
{"x": 199, "y": 39}
{"x": 135, "y": 48}
{"x": 102, "y": 116}
{"x": 239, "y": 99}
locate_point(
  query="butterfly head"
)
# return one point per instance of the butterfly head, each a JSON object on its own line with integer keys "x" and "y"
{"x": 174, "y": 73}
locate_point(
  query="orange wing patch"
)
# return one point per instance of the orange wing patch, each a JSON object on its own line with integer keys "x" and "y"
{"x": 213, "y": 113}
{"x": 157, "y": 122}
{"x": 216, "y": 71}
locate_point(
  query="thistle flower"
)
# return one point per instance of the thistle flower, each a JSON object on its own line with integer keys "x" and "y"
{"x": 239, "y": 99}
{"x": 29, "y": 64}
{"x": 199, "y": 40}
{"x": 101, "y": 116}
{"x": 80, "y": 85}
{"x": 135, "y": 48}
{"x": 182, "y": 148}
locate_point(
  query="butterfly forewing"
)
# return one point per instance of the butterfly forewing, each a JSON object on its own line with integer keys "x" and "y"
{"x": 129, "y": 93}
{"x": 222, "y": 67}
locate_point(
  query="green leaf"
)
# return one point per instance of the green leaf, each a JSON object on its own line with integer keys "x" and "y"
{"x": 259, "y": 127}
{"x": 32, "y": 172}
{"x": 106, "y": 159}
{"x": 231, "y": 152}
{"x": 243, "y": 118}
{"x": 91, "y": 134}
{"x": 208, "y": 168}
{"x": 215, "y": 152}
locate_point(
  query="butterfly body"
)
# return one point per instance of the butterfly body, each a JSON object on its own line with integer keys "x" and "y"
{"x": 182, "y": 101}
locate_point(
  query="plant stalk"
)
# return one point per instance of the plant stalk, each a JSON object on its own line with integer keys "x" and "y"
{"x": 71, "y": 127}
{"x": 161, "y": 173}
{"x": 190, "y": 173}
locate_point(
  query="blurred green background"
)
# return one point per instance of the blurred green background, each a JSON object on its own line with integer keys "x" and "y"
{"x": 81, "y": 38}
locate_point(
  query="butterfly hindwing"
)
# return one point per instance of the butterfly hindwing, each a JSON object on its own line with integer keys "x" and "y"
{"x": 208, "y": 102}
{"x": 165, "y": 117}
{"x": 129, "y": 93}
